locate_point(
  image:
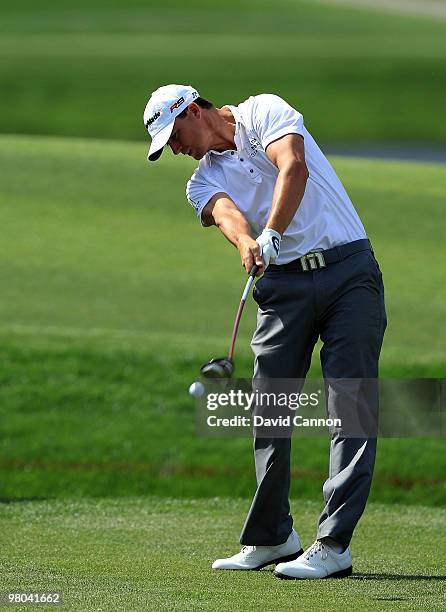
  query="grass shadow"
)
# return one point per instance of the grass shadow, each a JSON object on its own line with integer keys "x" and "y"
{"x": 384, "y": 576}
{"x": 14, "y": 500}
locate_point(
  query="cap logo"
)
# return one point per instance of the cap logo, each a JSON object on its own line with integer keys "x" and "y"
{"x": 152, "y": 119}
{"x": 178, "y": 103}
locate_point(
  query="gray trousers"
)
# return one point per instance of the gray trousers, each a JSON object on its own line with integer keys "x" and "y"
{"x": 343, "y": 304}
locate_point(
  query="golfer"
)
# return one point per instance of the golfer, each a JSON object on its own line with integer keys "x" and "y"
{"x": 264, "y": 182}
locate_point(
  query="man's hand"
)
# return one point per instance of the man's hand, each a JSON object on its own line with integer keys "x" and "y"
{"x": 250, "y": 253}
{"x": 269, "y": 242}
{"x": 222, "y": 212}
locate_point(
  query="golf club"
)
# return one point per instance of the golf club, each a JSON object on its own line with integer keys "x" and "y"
{"x": 223, "y": 367}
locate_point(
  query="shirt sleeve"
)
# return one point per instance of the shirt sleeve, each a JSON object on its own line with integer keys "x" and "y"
{"x": 273, "y": 118}
{"x": 200, "y": 189}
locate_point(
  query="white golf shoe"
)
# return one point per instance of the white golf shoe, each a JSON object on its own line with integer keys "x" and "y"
{"x": 256, "y": 557}
{"x": 318, "y": 561}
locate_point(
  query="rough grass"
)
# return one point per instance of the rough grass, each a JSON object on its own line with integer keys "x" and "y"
{"x": 112, "y": 296}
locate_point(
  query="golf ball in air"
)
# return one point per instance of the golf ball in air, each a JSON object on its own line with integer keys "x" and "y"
{"x": 196, "y": 389}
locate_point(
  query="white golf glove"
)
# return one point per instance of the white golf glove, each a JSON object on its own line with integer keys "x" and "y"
{"x": 269, "y": 242}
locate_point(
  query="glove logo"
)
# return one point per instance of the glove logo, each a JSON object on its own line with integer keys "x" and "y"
{"x": 276, "y": 244}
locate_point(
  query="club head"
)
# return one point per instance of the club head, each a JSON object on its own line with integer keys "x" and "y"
{"x": 222, "y": 367}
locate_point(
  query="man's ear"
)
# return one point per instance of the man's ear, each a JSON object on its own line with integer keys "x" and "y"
{"x": 194, "y": 109}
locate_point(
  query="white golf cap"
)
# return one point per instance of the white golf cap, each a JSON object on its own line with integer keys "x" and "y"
{"x": 164, "y": 105}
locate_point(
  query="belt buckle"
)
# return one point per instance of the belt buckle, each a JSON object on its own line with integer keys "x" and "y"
{"x": 312, "y": 261}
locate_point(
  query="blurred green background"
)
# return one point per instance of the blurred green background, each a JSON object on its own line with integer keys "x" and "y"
{"x": 86, "y": 68}
{"x": 112, "y": 294}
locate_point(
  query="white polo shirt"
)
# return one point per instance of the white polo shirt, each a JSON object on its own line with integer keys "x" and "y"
{"x": 325, "y": 218}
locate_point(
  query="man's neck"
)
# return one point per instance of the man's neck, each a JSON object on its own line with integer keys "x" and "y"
{"x": 223, "y": 124}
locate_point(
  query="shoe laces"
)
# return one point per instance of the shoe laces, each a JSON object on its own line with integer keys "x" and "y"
{"x": 247, "y": 550}
{"x": 314, "y": 549}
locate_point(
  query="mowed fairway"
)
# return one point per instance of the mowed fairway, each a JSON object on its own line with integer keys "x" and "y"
{"x": 113, "y": 295}
{"x": 155, "y": 554}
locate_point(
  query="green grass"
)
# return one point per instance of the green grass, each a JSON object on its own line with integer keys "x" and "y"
{"x": 155, "y": 554}
{"x": 86, "y": 69}
{"x": 88, "y": 418}
{"x": 99, "y": 240}
{"x": 113, "y": 295}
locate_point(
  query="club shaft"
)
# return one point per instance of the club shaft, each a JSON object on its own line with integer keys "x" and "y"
{"x": 238, "y": 316}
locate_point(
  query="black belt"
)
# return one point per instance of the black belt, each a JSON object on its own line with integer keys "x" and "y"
{"x": 320, "y": 259}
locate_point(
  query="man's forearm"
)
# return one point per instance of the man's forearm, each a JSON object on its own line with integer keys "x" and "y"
{"x": 288, "y": 193}
{"x": 234, "y": 227}
{"x": 222, "y": 212}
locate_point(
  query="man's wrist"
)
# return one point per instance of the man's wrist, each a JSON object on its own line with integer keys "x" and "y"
{"x": 242, "y": 238}
{"x": 269, "y": 231}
